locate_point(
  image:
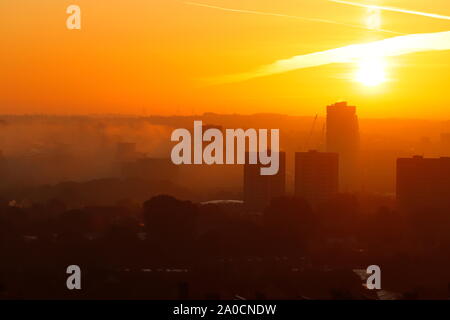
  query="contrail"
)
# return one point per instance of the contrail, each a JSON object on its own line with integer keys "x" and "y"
{"x": 288, "y": 16}
{"x": 393, "y": 9}
{"x": 390, "y": 47}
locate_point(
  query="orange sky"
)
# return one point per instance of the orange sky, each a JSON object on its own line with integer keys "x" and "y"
{"x": 158, "y": 57}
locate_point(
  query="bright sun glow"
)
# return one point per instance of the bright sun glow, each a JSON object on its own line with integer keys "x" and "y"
{"x": 373, "y": 19}
{"x": 371, "y": 71}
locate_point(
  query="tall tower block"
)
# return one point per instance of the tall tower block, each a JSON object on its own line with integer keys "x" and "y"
{"x": 343, "y": 138}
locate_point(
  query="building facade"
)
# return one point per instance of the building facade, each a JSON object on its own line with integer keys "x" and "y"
{"x": 259, "y": 190}
{"x": 342, "y": 135}
{"x": 316, "y": 175}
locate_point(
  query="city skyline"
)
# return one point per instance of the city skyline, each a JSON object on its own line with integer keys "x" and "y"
{"x": 232, "y": 150}
{"x": 139, "y": 218}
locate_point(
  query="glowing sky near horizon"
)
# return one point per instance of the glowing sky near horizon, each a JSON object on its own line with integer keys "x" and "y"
{"x": 391, "y": 47}
{"x": 152, "y": 57}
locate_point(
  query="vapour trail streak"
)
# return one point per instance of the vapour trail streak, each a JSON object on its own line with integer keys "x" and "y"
{"x": 288, "y": 16}
{"x": 390, "y": 47}
{"x": 393, "y": 9}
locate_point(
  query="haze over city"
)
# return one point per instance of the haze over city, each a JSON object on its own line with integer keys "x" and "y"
{"x": 94, "y": 95}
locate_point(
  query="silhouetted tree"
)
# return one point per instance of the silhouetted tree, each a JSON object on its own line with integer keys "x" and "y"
{"x": 339, "y": 216}
{"x": 289, "y": 223}
{"x": 73, "y": 224}
{"x": 170, "y": 223}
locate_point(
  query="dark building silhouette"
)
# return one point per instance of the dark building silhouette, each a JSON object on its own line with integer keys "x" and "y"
{"x": 259, "y": 190}
{"x": 423, "y": 183}
{"x": 343, "y": 138}
{"x": 316, "y": 175}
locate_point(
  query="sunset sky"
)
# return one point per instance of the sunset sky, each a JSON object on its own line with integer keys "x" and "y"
{"x": 227, "y": 56}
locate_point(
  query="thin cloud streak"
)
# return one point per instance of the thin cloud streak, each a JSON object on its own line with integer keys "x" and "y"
{"x": 393, "y": 9}
{"x": 394, "y": 46}
{"x": 288, "y": 16}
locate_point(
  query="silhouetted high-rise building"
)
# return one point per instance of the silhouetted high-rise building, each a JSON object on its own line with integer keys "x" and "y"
{"x": 259, "y": 190}
{"x": 316, "y": 175}
{"x": 343, "y": 138}
{"x": 423, "y": 183}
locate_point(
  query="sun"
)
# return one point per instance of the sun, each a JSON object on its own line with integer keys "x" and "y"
{"x": 371, "y": 71}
